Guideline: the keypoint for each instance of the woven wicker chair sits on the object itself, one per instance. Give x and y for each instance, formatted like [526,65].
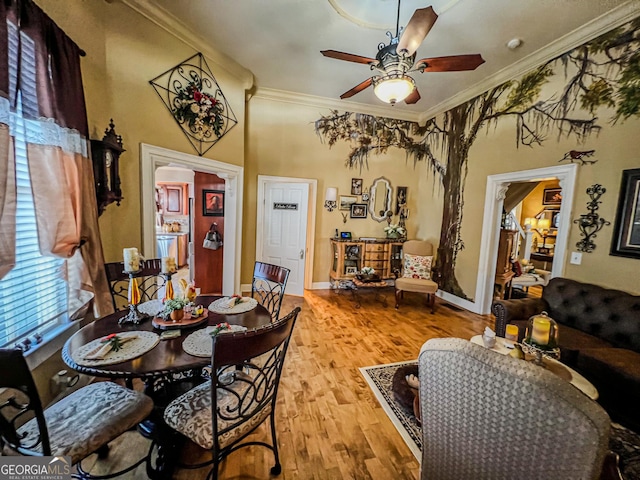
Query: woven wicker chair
[489,416]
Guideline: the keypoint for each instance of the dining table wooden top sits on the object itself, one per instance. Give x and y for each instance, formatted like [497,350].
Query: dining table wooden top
[168,356]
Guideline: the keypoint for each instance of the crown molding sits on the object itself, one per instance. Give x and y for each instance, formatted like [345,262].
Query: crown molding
[169,23]
[614,18]
[334,104]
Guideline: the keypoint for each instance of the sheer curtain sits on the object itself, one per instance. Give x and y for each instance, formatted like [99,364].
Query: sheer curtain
[41,87]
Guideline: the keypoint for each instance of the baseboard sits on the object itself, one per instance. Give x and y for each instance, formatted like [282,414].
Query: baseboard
[320,286]
[245,287]
[459,302]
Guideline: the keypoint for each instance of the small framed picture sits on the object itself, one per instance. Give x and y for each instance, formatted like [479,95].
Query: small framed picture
[350,270]
[401,198]
[359,210]
[213,203]
[356,186]
[552,196]
[346,201]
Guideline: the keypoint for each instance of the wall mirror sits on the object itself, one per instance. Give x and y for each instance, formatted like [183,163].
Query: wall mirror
[380,199]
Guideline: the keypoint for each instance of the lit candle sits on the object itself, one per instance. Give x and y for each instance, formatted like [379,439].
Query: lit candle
[131,259]
[168,264]
[540,331]
[512,333]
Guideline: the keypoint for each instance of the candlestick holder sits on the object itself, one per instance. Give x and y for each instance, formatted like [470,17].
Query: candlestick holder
[539,353]
[168,286]
[134,316]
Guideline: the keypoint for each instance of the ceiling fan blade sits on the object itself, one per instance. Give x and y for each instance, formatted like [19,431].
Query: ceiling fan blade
[415,31]
[453,63]
[413,97]
[348,57]
[357,89]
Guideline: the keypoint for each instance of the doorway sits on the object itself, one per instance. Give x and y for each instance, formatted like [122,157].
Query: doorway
[153,157]
[497,186]
[285,227]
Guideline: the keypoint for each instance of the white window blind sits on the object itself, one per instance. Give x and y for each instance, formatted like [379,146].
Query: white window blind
[33,296]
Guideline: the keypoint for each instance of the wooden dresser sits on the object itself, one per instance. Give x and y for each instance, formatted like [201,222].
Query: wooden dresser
[350,256]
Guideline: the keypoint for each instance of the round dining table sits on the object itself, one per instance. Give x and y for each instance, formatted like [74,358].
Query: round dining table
[167,371]
[168,356]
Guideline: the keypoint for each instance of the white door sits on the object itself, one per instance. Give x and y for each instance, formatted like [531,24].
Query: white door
[285,230]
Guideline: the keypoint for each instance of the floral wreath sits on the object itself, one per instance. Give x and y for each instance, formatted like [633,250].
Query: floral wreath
[200,111]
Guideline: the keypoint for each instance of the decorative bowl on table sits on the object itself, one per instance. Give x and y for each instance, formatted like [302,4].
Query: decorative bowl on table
[367,278]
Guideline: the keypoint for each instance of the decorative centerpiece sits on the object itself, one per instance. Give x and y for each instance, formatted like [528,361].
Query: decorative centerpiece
[367,274]
[541,338]
[174,309]
[395,231]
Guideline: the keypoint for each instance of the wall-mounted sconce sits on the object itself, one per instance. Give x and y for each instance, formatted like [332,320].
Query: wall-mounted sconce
[330,198]
[591,223]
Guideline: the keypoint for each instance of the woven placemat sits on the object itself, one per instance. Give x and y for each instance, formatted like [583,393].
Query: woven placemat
[198,343]
[220,305]
[143,342]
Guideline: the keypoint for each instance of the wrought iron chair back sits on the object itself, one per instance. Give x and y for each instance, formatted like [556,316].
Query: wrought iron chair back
[246,371]
[149,282]
[101,412]
[269,283]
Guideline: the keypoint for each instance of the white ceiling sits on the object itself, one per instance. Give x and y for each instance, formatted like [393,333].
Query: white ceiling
[279,41]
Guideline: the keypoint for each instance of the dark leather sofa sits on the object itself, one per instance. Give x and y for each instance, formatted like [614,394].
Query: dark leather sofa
[599,332]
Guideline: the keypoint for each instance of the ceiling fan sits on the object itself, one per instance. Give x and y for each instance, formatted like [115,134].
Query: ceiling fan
[397,59]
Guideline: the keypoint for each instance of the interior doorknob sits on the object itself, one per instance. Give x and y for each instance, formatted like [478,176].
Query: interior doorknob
[301,254]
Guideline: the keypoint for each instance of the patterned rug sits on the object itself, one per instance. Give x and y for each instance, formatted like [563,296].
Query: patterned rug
[624,442]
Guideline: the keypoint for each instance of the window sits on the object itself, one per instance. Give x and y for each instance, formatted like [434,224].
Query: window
[33,296]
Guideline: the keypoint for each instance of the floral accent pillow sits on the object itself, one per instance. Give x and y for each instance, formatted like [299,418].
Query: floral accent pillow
[417,266]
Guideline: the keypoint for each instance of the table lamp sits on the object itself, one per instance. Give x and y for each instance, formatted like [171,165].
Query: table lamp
[543,226]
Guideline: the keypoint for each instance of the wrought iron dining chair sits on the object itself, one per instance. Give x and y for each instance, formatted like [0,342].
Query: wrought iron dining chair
[486,415]
[149,282]
[269,282]
[242,398]
[80,424]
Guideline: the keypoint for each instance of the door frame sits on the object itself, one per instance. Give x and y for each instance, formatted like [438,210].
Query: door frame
[152,157]
[311,220]
[497,186]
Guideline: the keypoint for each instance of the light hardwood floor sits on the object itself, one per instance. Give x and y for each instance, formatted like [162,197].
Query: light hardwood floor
[329,424]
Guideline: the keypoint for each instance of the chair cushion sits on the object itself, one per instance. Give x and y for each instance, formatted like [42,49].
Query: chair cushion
[417,266]
[190,414]
[416,285]
[89,418]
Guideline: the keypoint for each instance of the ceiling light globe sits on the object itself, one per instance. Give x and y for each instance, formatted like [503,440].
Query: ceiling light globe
[393,88]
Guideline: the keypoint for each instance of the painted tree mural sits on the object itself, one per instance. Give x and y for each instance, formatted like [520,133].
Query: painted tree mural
[602,73]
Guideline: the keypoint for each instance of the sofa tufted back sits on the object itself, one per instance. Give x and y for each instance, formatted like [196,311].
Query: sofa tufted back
[611,315]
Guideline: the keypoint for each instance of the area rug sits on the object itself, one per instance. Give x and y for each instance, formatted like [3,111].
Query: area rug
[624,442]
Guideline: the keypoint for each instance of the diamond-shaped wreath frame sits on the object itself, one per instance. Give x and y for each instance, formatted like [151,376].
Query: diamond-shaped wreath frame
[193,97]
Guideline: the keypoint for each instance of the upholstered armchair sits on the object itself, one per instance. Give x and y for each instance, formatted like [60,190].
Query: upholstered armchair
[486,416]
[416,275]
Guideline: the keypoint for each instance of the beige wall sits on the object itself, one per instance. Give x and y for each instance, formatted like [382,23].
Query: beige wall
[125,51]
[282,142]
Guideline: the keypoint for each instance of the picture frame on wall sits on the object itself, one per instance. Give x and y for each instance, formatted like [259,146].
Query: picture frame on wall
[356,186]
[213,203]
[359,210]
[626,231]
[401,198]
[552,196]
[346,201]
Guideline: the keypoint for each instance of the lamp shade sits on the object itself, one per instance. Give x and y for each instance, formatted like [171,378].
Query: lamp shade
[331,194]
[544,224]
[531,221]
[393,88]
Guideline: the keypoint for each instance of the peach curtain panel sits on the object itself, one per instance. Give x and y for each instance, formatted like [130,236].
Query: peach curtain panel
[41,65]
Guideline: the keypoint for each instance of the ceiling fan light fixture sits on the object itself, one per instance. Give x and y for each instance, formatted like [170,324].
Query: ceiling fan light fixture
[393,87]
